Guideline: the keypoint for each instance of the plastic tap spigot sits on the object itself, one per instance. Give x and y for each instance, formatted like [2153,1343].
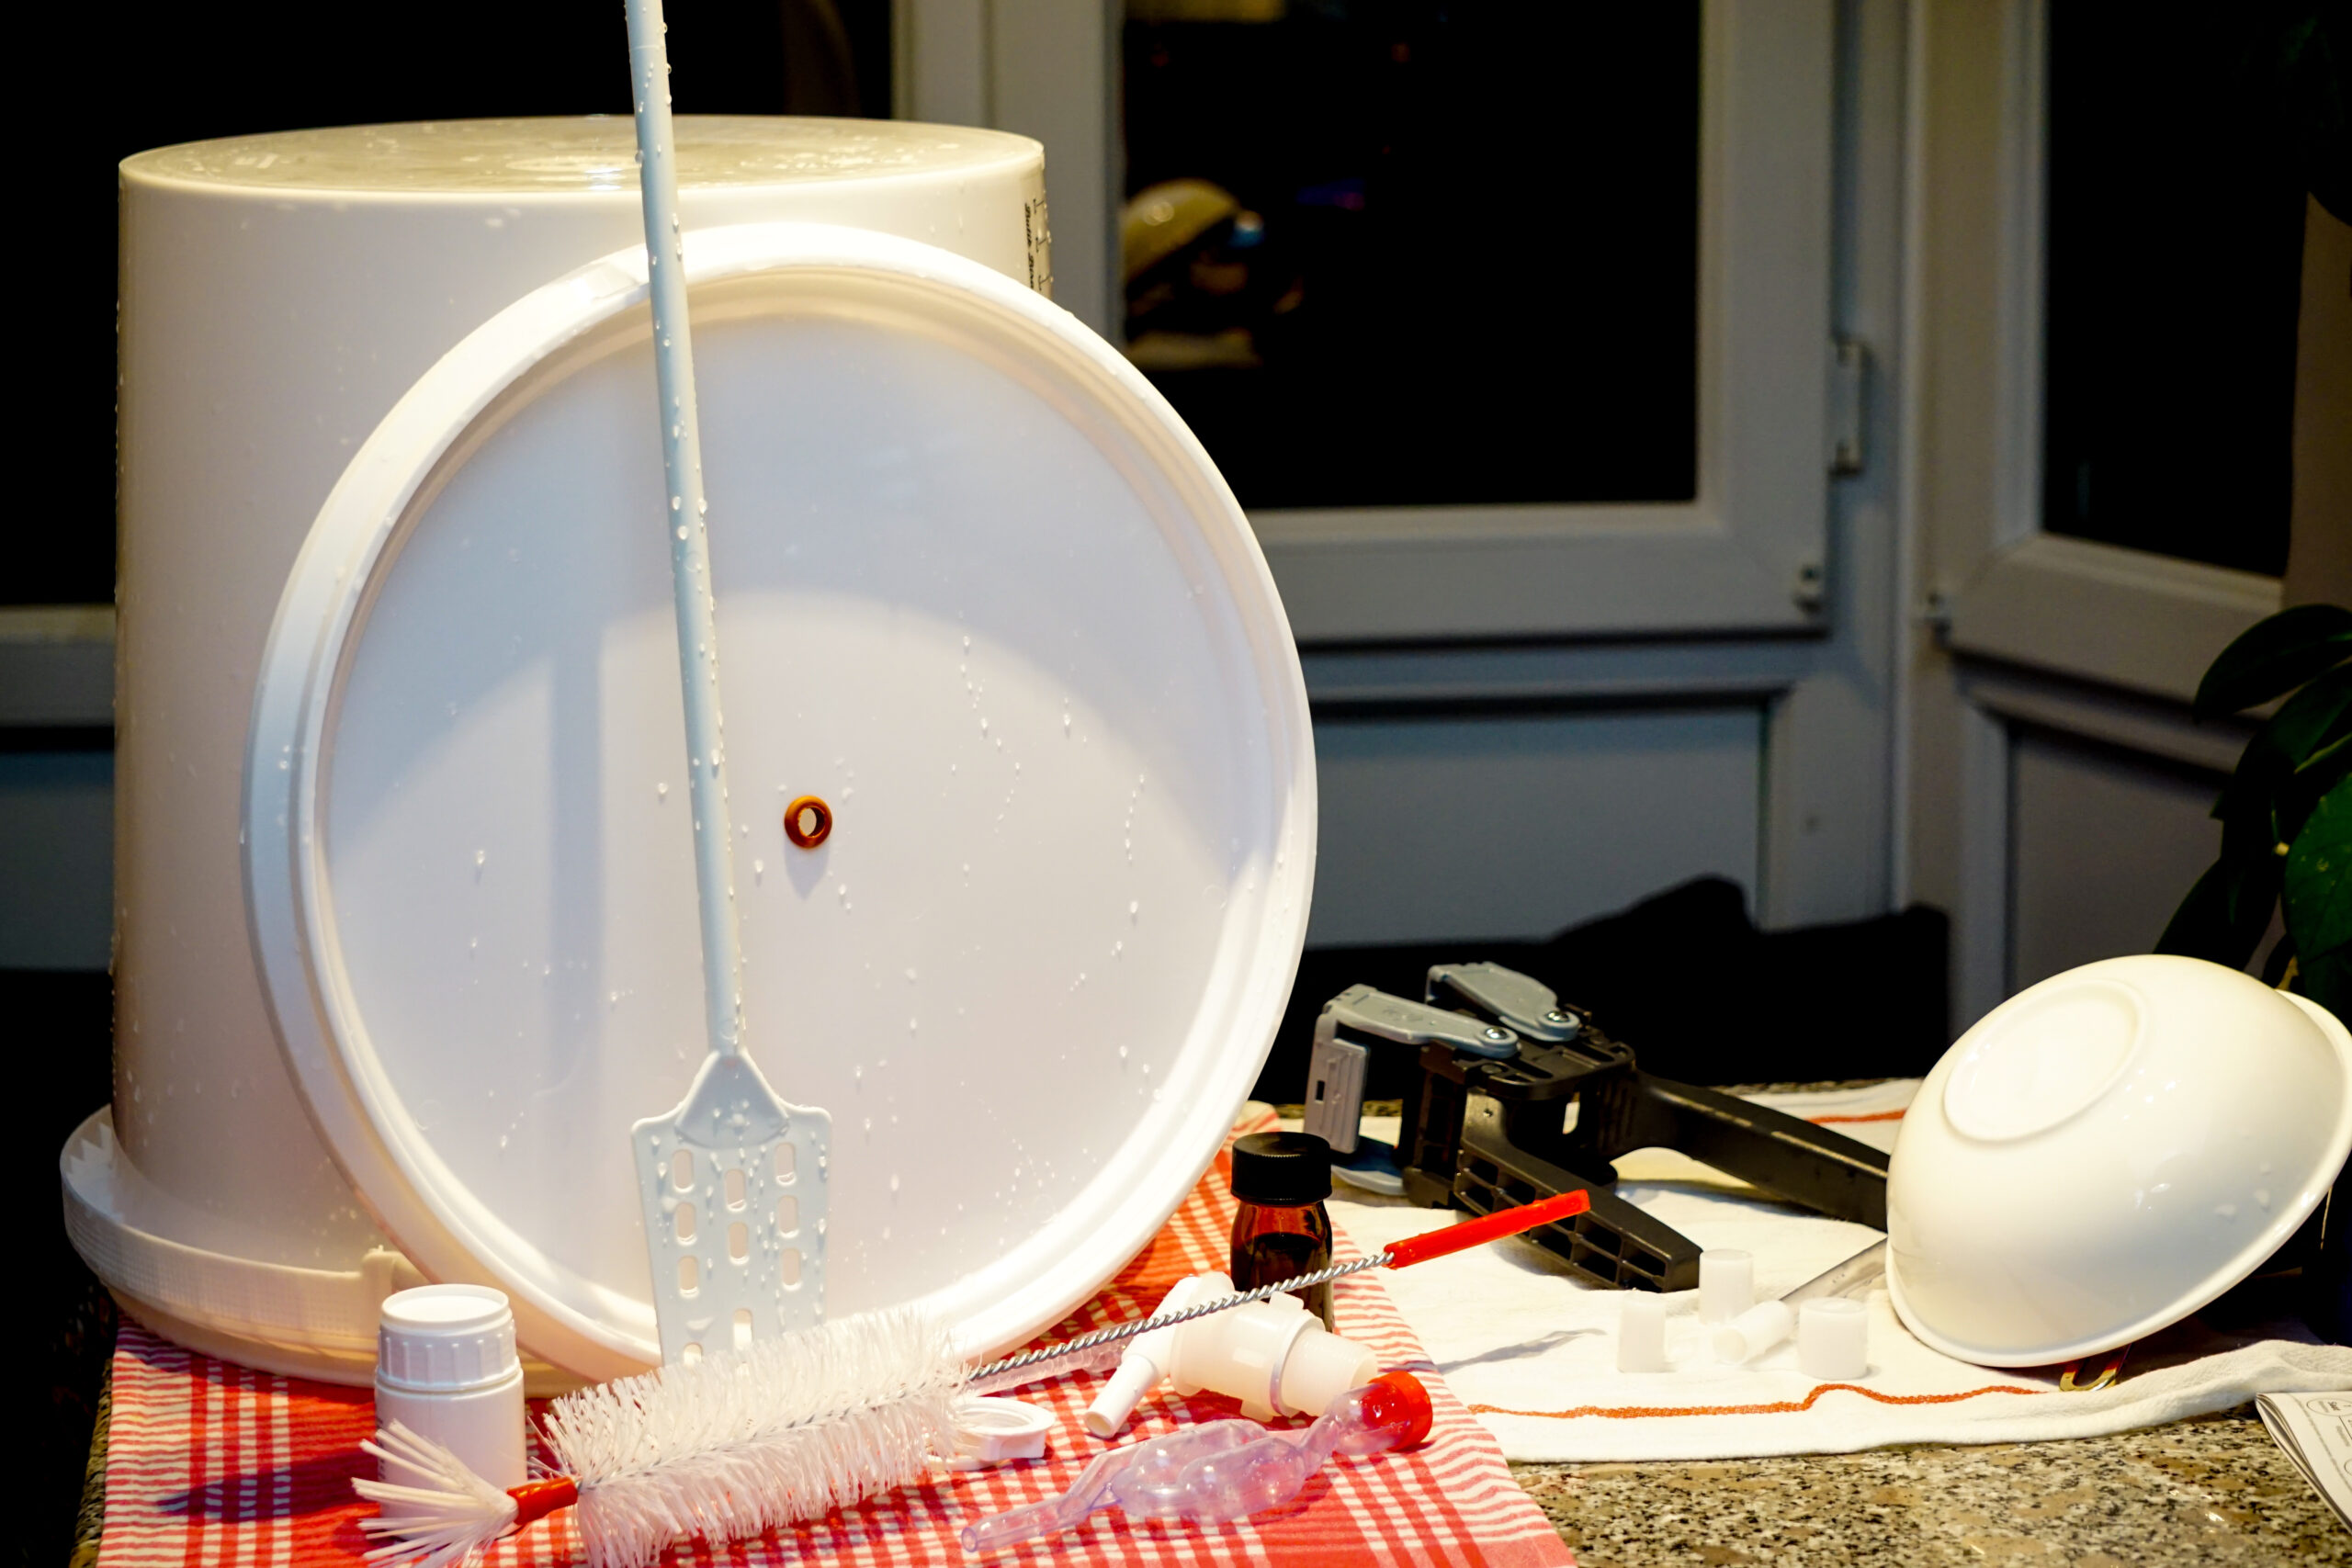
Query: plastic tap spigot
[1149,1357]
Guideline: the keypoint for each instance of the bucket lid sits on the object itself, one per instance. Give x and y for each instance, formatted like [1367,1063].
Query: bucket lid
[980,591]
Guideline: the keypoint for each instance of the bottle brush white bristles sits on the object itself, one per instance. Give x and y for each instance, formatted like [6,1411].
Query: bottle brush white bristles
[787,1428]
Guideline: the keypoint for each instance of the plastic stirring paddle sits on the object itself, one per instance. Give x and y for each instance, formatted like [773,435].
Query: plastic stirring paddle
[1015,1370]
[734,1179]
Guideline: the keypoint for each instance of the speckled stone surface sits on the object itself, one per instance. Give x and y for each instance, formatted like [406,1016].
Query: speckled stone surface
[2212,1492]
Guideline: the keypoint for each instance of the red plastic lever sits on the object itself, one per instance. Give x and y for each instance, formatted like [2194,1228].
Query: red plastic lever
[1490,1228]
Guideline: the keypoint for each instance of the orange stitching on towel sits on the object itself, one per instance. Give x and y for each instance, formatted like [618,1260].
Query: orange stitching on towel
[1873,1116]
[1778,1408]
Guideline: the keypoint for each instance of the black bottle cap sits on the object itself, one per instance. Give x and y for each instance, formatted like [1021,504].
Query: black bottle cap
[1290,1169]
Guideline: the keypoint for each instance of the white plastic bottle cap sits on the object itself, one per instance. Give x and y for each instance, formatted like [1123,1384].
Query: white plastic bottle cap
[1753,1332]
[446,1369]
[1322,1366]
[1641,1333]
[1834,1339]
[1727,1284]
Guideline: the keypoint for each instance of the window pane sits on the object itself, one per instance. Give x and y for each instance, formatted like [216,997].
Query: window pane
[1406,252]
[2175,244]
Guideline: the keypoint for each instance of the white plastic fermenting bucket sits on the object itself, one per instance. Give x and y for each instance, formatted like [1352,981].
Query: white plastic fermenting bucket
[367,371]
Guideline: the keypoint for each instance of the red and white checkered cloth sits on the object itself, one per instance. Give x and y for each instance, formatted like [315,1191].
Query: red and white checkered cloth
[212,1465]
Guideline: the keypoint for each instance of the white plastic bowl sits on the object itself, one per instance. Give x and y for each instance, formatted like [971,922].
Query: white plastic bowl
[2106,1152]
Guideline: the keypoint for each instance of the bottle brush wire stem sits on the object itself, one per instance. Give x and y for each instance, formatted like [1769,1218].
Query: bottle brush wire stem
[1006,1373]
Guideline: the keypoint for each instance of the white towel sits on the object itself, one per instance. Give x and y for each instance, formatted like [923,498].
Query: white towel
[1532,1351]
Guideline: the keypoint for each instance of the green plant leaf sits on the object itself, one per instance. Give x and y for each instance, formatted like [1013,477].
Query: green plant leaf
[2225,914]
[2275,784]
[2273,656]
[2327,980]
[2318,883]
[2319,775]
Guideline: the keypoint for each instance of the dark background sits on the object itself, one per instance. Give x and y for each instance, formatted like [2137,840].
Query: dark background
[2176,238]
[163,74]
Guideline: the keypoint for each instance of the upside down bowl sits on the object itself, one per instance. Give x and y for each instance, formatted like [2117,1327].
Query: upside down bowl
[2106,1153]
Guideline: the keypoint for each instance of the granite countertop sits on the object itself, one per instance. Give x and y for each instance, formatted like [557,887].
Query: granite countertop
[2215,1491]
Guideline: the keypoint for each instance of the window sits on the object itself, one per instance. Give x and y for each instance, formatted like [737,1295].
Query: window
[1407,253]
[2175,257]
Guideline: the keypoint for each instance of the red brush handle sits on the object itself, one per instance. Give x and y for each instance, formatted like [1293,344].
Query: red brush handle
[1491,1228]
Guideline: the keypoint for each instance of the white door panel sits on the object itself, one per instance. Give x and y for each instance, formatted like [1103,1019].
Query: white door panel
[2102,842]
[1513,826]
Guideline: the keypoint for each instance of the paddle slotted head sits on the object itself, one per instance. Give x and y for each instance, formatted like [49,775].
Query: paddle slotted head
[733,1182]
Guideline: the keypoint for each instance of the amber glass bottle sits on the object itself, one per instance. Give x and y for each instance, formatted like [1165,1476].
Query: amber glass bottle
[1280,1229]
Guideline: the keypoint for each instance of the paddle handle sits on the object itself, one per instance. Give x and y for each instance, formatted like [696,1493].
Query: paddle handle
[673,365]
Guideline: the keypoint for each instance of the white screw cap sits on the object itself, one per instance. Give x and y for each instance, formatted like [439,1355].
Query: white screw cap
[445,1339]
[1834,1339]
[991,1431]
[1727,1284]
[1640,1332]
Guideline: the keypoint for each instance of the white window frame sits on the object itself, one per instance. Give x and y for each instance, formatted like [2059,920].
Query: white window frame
[2008,589]
[2015,625]
[1745,556]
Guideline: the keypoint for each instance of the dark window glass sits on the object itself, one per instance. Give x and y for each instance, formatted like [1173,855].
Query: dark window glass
[178,73]
[2176,240]
[1417,252]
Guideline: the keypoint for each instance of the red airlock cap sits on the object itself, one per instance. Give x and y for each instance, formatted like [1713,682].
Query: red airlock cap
[1398,1399]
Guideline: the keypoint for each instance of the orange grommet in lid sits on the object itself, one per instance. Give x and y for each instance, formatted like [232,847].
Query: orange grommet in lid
[807,821]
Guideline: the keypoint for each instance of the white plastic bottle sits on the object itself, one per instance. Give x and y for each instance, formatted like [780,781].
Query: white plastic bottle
[446,1369]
